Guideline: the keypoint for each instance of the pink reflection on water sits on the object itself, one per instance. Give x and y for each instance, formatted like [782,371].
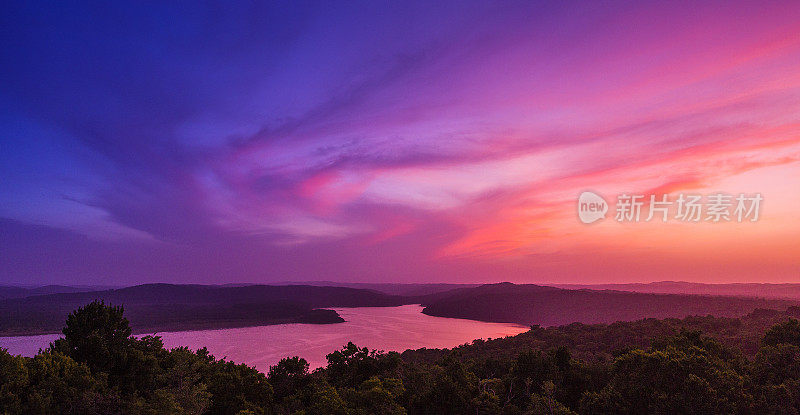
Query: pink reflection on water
[382,328]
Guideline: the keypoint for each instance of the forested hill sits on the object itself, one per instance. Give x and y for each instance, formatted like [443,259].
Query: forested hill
[167,307]
[604,341]
[548,306]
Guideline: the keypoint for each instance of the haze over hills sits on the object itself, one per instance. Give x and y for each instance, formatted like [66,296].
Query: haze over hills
[763,290]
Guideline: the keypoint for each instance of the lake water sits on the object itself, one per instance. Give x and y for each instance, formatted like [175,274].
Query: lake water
[382,328]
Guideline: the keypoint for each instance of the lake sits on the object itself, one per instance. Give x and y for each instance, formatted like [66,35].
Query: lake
[382,328]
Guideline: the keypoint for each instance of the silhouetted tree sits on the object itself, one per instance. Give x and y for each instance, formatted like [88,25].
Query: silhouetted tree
[97,335]
[288,376]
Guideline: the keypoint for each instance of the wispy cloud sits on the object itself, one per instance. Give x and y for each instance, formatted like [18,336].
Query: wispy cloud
[408,141]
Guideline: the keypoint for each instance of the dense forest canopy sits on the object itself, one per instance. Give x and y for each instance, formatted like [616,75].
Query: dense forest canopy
[694,365]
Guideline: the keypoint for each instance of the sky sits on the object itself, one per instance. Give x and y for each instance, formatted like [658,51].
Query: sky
[394,141]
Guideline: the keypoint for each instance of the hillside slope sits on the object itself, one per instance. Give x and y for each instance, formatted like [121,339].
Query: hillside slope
[550,306]
[162,307]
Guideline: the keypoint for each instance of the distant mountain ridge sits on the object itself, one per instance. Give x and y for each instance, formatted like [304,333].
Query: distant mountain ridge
[170,307]
[763,290]
[11,291]
[402,289]
[313,296]
[551,306]
[174,307]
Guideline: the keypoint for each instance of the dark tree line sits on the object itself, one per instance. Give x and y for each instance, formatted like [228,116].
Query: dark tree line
[99,368]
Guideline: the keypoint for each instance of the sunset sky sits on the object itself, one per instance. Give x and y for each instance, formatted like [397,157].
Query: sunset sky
[394,141]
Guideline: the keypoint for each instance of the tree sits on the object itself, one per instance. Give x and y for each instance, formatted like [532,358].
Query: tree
[445,388]
[97,335]
[783,333]
[376,396]
[678,377]
[14,382]
[236,387]
[288,376]
[775,372]
[351,365]
[322,398]
[546,403]
[57,381]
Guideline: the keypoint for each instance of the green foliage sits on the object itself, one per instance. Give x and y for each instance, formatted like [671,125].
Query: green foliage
[97,335]
[289,375]
[775,372]
[546,402]
[236,387]
[675,376]
[375,396]
[99,368]
[445,388]
[57,381]
[352,365]
[13,382]
[784,333]
[320,398]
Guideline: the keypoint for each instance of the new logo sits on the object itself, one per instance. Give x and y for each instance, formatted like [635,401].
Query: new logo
[591,207]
